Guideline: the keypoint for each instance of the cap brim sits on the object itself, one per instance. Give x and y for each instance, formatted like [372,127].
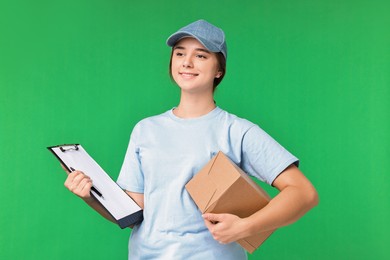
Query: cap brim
[174,38]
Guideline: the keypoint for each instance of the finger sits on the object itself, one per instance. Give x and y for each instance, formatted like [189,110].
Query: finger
[213,218]
[82,185]
[83,188]
[79,183]
[209,225]
[73,180]
[69,181]
[213,230]
[79,176]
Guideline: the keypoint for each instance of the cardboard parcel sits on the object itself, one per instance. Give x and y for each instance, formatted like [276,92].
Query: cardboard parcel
[222,187]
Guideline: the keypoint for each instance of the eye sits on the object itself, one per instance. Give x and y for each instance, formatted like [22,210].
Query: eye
[179,54]
[201,56]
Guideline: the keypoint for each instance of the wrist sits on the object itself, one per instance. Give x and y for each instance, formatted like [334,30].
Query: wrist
[88,200]
[247,227]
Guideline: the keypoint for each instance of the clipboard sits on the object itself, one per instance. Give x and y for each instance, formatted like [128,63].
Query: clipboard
[115,200]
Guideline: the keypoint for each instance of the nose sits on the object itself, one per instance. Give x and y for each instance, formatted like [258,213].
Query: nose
[187,62]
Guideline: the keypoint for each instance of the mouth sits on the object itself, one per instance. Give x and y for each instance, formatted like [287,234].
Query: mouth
[188,74]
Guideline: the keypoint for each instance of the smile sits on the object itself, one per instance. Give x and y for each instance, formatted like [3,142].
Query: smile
[188,75]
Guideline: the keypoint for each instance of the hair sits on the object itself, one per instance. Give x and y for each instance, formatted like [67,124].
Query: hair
[221,67]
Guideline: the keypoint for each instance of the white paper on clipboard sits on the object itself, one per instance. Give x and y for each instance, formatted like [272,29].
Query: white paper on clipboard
[125,211]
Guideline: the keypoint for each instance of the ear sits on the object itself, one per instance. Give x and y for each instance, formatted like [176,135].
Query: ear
[219,74]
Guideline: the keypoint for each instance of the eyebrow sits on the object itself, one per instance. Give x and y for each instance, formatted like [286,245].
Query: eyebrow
[197,49]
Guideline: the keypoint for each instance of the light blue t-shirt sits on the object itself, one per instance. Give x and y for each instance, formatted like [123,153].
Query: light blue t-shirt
[164,153]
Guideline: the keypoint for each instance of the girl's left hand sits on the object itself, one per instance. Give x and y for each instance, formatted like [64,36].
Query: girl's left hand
[225,228]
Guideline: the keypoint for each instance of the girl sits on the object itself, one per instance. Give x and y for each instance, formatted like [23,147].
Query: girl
[167,150]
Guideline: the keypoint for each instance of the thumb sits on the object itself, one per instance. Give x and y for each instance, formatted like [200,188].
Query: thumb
[212,217]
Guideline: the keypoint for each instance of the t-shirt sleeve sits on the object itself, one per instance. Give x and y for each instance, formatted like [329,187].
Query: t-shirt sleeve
[263,157]
[131,177]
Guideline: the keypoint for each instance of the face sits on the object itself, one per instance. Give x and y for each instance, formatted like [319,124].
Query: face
[193,67]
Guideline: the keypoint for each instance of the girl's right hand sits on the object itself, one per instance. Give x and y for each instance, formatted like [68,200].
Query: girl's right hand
[79,184]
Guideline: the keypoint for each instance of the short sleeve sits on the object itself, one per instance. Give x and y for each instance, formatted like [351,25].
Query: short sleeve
[131,177]
[263,157]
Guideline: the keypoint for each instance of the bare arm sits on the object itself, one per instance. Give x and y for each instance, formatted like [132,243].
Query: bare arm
[80,184]
[297,196]
[137,197]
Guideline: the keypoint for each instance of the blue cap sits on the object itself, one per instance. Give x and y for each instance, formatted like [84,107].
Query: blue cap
[210,36]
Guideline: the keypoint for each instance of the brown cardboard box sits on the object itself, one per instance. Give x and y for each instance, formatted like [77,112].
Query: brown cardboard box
[222,187]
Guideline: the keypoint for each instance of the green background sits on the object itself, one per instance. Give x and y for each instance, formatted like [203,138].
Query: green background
[313,74]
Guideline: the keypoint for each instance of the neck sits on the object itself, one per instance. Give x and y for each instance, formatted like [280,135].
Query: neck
[192,107]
